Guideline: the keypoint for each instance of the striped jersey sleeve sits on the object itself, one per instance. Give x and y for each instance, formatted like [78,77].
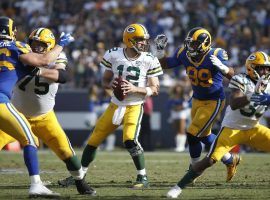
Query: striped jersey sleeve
[155,68]
[23,48]
[237,82]
[106,61]
[62,59]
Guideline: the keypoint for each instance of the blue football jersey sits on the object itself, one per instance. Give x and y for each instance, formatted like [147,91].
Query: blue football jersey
[11,68]
[205,78]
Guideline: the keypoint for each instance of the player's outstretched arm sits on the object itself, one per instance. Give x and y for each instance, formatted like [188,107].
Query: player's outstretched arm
[158,50]
[42,60]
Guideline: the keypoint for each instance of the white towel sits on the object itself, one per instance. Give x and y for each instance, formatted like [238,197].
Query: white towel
[118,115]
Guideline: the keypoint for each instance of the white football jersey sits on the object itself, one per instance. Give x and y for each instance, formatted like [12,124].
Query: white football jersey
[248,116]
[135,71]
[34,95]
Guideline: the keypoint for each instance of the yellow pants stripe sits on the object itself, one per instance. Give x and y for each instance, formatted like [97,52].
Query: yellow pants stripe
[212,118]
[22,123]
[138,127]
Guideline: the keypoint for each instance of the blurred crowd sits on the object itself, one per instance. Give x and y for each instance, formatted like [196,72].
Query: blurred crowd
[238,26]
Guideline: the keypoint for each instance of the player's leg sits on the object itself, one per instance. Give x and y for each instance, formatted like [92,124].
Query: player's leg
[15,124]
[131,129]
[223,144]
[5,139]
[259,138]
[48,129]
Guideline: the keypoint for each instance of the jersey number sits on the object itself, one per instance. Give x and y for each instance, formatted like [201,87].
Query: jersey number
[200,77]
[42,88]
[5,63]
[133,78]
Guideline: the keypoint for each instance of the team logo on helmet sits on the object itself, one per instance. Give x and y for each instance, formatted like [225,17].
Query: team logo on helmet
[131,29]
[252,57]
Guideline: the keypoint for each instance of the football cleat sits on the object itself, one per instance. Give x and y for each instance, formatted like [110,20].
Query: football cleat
[39,190]
[84,188]
[174,192]
[231,168]
[66,182]
[141,182]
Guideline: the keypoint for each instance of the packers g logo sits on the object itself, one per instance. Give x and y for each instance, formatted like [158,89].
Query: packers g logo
[252,57]
[51,36]
[131,29]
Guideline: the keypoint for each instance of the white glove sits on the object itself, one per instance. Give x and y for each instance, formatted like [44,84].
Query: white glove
[160,42]
[262,84]
[221,67]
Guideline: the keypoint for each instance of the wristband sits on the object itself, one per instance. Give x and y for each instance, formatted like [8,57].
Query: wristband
[149,91]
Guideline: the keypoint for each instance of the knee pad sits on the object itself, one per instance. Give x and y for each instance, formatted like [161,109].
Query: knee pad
[133,148]
[192,140]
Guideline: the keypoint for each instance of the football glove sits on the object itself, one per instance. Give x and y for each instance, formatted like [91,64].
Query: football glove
[160,42]
[65,39]
[219,65]
[261,84]
[260,99]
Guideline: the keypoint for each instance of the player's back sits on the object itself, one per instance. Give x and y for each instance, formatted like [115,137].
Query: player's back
[11,69]
[248,116]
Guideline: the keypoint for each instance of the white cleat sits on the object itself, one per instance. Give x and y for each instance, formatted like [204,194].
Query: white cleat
[174,192]
[39,190]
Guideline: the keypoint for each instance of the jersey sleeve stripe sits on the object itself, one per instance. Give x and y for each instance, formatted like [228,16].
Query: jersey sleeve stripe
[154,71]
[216,51]
[106,63]
[237,82]
[61,61]
[237,86]
[180,51]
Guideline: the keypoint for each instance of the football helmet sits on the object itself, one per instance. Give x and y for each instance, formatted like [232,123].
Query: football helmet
[136,36]
[255,61]
[7,28]
[43,35]
[197,42]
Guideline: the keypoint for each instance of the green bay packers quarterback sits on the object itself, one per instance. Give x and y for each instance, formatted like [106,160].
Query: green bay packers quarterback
[249,99]
[139,71]
[34,96]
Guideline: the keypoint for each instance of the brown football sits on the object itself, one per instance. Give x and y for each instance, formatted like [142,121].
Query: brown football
[118,92]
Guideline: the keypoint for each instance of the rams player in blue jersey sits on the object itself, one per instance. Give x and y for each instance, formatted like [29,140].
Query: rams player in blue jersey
[205,67]
[14,56]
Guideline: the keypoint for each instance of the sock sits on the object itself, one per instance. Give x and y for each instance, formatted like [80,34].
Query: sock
[141,172]
[139,161]
[188,178]
[194,145]
[208,140]
[194,160]
[85,169]
[227,159]
[35,179]
[31,159]
[73,163]
[89,154]
[78,174]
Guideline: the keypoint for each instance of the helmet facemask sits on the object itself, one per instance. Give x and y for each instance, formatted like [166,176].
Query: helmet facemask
[38,46]
[140,44]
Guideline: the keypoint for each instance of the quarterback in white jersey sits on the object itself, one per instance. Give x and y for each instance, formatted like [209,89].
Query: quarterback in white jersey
[34,96]
[139,71]
[249,99]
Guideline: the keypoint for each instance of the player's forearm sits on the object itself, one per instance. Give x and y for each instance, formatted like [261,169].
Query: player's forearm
[230,73]
[56,75]
[148,91]
[163,63]
[52,55]
[239,102]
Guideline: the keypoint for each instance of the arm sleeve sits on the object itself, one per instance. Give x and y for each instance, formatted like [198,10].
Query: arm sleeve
[23,48]
[155,68]
[222,56]
[175,61]
[236,82]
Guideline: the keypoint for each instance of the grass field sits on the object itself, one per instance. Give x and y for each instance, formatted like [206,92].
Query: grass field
[113,173]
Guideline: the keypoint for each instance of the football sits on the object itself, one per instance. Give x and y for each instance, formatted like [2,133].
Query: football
[117,90]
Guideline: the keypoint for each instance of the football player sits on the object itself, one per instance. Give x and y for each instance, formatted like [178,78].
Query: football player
[139,71]
[34,96]
[249,99]
[13,57]
[205,67]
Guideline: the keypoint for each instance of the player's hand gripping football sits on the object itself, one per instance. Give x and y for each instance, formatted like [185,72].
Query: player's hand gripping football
[128,87]
[262,83]
[65,39]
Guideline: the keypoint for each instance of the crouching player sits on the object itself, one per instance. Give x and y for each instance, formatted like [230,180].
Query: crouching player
[34,96]
[249,99]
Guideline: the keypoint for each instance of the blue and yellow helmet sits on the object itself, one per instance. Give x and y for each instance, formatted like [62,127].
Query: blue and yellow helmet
[7,28]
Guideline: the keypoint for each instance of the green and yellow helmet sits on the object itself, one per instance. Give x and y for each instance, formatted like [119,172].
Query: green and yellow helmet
[43,35]
[197,42]
[133,34]
[7,28]
[254,61]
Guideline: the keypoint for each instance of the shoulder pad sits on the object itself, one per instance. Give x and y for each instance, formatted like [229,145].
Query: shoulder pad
[238,81]
[221,53]
[180,51]
[23,47]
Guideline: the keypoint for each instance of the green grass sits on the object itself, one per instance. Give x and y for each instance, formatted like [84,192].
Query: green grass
[113,173]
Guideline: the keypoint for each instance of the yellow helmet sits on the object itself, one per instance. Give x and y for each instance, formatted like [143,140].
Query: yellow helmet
[197,42]
[7,28]
[44,35]
[131,35]
[254,61]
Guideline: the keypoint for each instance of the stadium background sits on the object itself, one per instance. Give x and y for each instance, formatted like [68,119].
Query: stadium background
[239,27]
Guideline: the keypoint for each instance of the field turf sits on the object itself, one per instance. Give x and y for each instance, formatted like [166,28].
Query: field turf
[113,173]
